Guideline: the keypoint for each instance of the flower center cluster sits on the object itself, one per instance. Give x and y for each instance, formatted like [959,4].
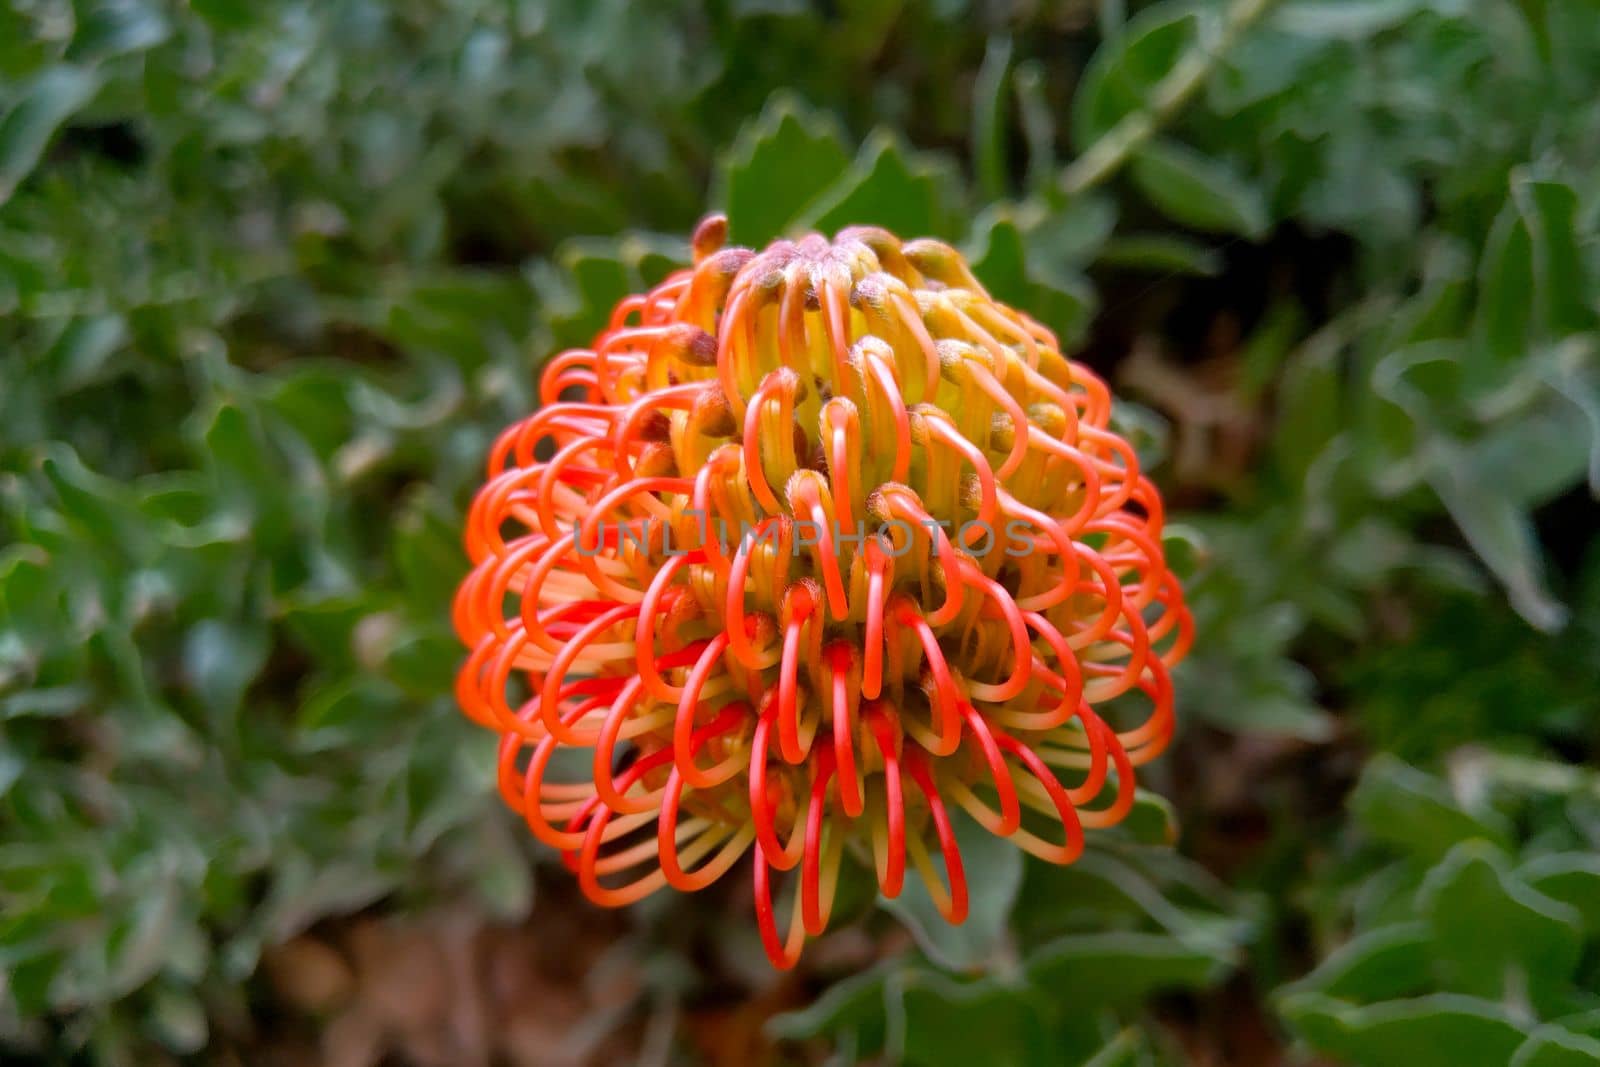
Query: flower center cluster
[814,543]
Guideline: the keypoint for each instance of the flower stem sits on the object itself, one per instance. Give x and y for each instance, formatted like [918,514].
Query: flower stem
[1107,155]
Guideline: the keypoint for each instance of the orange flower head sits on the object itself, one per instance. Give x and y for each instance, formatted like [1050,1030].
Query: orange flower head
[813,544]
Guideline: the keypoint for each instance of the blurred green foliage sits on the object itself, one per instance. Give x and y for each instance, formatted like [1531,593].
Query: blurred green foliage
[272,274]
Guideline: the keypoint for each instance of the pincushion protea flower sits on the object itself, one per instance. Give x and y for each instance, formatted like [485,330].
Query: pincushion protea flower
[812,545]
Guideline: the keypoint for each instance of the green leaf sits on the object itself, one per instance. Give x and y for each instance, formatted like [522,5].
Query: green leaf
[989,149]
[1310,412]
[1267,62]
[1494,936]
[142,936]
[850,1005]
[1550,209]
[1414,387]
[1384,964]
[951,1024]
[919,1016]
[178,1021]
[247,476]
[1119,78]
[1038,124]
[1355,187]
[1505,282]
[108,30]
[1402,806]
[1153,820]
[1583,1023]
[220,660]
[1150,434]
[421,659]
[995,874]
[1438,1030]
[1577,378]
[1256,689]
[1532,284]
[594,274]
[1551,1046]
[54,96]
[1002,260]
[316,400]
[1538,455]
[1500,532]
[1110,891]
[428,553]
[103,509]
[1199,191]
[1269,345]
[1121,1051]
[1573,878]
[344,711]
[1121,968]
[85,349]
[597,280]
[888,186]
[1344,19]
[780,162]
